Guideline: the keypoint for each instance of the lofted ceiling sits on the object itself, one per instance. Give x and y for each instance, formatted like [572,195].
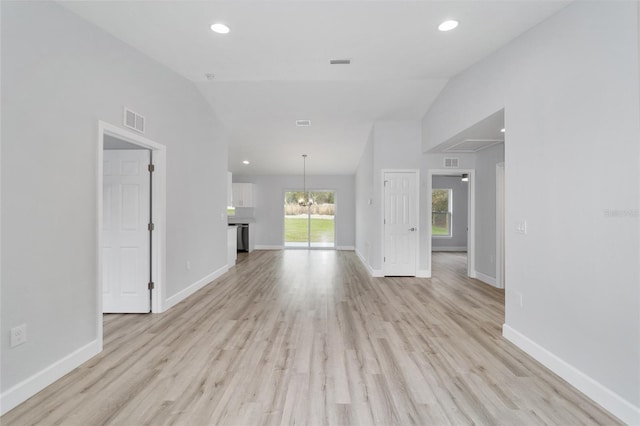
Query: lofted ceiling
[273,67]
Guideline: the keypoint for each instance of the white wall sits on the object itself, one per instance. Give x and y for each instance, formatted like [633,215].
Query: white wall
[60,75]
[486,161]
[570,92]
[460,210]
[269,210]
[365,199]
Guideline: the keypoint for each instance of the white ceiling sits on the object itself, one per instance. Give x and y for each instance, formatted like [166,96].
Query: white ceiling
[273,67]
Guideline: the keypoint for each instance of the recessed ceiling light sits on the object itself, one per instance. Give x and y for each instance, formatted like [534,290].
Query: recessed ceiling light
[220,28]
[448,25]
[502,130]
[245,162]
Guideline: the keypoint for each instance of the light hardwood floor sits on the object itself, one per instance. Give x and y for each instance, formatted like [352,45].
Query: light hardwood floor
[307,337]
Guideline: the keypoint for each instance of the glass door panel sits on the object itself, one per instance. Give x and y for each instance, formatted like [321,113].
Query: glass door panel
[309,223]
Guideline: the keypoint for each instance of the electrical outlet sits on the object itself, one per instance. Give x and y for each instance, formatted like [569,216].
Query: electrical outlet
[188,265]
[520,299]
[18,335]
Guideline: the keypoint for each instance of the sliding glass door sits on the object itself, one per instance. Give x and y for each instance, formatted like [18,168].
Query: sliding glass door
[309,219]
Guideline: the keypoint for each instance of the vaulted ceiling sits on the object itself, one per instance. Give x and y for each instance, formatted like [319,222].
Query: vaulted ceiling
[273,67]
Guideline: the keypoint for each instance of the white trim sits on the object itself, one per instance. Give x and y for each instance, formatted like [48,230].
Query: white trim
[202,282]
[24,390]
[384,203]
[376,273]
[159,213]
[500,221]
[423,273]
[485,278]
[346,248]
[462,248]
[269,247]
[364,262]
[611,401]
[471,225]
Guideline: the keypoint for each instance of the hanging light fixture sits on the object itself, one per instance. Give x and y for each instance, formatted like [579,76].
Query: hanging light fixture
[465,177]
[305,201]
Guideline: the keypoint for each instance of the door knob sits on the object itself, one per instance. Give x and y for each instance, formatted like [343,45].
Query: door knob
[412,229]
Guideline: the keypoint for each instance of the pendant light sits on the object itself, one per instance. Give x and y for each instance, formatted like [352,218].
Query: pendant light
[304,202]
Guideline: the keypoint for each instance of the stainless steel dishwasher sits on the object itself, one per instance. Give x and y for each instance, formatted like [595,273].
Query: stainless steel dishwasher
[243,237]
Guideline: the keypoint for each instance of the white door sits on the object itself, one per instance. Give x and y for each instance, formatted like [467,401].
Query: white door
[400,223]
[125,234]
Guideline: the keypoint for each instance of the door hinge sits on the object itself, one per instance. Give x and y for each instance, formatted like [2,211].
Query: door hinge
[151,227]
[384,259]
[151,168]
[151,285]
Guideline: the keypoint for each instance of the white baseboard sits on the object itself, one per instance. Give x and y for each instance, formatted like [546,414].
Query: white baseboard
[346,248]
[433,248]
[183,294]
[24,390]
[611,401]
[423,273]
[372,272]
[486,278]
[267,247]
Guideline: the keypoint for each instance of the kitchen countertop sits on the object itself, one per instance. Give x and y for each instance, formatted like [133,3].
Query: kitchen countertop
[235,220]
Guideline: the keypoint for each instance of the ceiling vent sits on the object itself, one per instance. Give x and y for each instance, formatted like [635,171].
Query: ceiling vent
[303,123]
[451,163]
[340,61]
[133,120]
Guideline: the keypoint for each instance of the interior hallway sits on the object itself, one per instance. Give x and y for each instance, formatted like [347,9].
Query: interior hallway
[308,337]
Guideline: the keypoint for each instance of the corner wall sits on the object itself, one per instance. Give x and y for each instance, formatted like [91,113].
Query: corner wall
[570,91]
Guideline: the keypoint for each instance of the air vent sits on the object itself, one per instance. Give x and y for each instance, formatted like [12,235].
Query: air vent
[340,61]
[133,120]
[303,123]
[451,163]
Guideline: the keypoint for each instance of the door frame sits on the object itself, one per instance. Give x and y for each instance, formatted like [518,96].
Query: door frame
[159,179]
[471,218]
[500,225]
[383,212]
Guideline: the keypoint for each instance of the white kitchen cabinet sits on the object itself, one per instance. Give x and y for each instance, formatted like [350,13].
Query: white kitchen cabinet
[243,195]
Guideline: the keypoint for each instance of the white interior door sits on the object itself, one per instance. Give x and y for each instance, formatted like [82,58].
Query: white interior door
[125,234]
[400,223]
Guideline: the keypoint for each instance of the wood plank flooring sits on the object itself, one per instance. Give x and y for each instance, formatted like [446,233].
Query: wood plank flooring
[307,337]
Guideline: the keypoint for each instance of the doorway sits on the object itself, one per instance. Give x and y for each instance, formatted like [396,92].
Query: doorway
[309,219]
[442,221]
[157,245]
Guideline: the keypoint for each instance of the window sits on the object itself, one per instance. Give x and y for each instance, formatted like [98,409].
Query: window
[441,211]
[309,219]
